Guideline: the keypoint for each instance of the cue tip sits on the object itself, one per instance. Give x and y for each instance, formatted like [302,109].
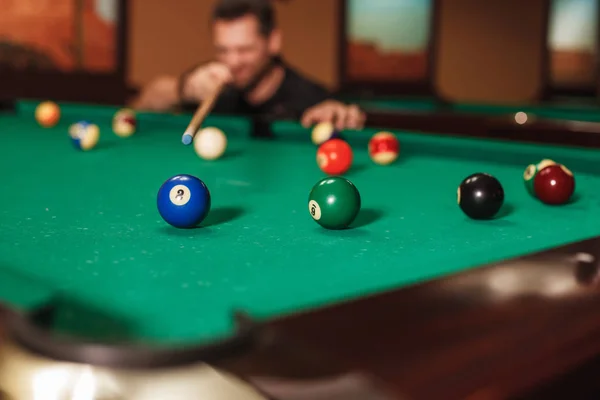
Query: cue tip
[186,139]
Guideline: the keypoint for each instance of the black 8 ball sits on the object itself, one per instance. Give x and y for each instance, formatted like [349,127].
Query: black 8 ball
[480,196]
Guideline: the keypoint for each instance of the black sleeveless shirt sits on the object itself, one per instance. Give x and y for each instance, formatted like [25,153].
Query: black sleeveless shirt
[295,94]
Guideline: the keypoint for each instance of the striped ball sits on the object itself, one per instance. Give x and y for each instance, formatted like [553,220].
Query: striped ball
[84,135]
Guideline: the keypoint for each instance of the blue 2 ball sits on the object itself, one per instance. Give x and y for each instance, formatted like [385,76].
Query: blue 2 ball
[183,201]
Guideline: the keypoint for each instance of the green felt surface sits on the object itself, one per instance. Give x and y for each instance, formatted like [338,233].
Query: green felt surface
[83,228]
[570,110]
[560,112]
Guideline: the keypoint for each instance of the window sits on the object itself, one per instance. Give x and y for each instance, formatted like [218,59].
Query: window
[387,40]
[573,43]
[59,36]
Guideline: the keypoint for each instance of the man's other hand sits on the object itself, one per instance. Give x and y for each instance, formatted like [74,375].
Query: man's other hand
[343,116]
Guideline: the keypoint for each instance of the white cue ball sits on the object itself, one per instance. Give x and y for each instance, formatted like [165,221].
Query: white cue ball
[210,143]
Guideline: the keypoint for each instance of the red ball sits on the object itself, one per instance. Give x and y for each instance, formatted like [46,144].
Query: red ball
[384,148]
[554,184]
[334,157]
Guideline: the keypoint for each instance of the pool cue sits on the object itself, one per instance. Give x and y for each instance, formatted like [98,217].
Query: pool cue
[199,116]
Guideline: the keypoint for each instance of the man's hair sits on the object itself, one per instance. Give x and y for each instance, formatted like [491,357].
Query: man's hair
[230,10]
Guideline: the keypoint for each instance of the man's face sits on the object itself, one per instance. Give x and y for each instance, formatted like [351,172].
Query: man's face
[242,48]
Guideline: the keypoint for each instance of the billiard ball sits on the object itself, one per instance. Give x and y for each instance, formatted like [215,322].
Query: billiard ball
[334,157]
[480,196]
[183,201]
[522,118]
[323,132]
[210,143]
[47,114]
[334,202]
[384,148]
[84,135]
[554,184]
[124,122]
[531,171]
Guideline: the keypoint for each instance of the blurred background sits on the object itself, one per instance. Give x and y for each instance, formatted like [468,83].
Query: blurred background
[497,51]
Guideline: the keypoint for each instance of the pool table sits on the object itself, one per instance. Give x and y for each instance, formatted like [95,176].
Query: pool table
[563,108]
[91,274]
[574,121]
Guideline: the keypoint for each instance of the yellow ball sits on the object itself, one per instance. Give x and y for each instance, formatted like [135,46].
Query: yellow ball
[47,114]
[322,132]
[210,143]
[124,123]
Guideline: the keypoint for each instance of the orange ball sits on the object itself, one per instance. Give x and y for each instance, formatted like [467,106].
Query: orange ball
[334,157]
[384,148]
[47,114]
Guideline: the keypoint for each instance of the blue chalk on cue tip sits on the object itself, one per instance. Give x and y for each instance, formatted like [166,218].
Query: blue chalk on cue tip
[187,139]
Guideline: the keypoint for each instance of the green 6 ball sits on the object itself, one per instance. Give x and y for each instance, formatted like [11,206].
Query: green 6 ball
[334,202]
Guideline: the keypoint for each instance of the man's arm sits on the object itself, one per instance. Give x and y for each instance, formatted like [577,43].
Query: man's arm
[304,92]
[317,104]
[167,93]
[313,103]
[186,91]
[160,94]
[343,116]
